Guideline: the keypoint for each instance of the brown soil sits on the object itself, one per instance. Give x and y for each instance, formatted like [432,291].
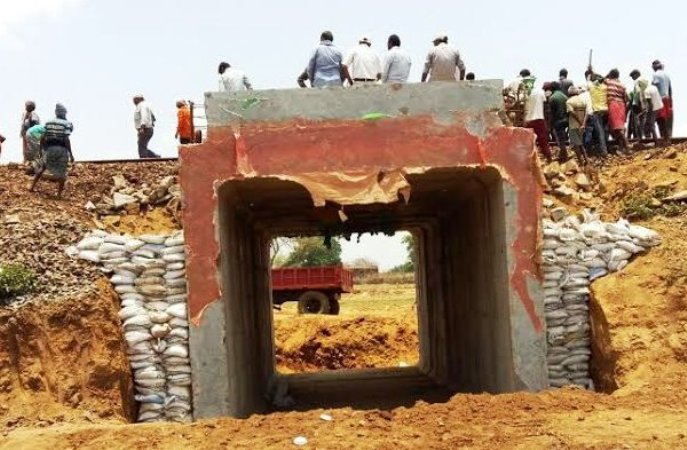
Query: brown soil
[64,360]
[154,221]
[312,344]
[640,324]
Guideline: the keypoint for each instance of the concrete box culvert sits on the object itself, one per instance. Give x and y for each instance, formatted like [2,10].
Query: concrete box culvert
[304,162]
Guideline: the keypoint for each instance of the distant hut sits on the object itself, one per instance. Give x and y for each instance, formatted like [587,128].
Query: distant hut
[362,268]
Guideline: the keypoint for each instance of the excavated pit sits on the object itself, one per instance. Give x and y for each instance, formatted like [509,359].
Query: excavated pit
[457,216]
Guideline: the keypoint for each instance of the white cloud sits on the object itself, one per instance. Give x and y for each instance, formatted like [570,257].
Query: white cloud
[15,13]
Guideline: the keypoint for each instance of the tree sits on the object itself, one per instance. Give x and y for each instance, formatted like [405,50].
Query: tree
[280,247]
[312,251]
[411,261]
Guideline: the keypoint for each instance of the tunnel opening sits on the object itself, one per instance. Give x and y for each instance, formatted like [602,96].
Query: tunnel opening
[344,302]
[458,217]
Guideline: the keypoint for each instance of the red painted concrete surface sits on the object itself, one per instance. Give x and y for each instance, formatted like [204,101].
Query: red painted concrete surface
[300,146]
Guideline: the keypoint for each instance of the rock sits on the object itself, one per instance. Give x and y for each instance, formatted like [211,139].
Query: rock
[119,182]
[582,181]
[552,170]
[12,219]
[89,206]
[558,214]
[563,191]
[548,203]
[570,167]
[132,208]
[121,200]
[655,202]
[677,197]
[167,181]
[671,153]
[300,441]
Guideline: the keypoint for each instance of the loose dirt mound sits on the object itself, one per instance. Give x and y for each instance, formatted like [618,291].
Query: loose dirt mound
[322,343]
[64,360]
[377,328]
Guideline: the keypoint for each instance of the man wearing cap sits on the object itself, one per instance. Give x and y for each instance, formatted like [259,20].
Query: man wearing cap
[144,120]
[2,139]
[363,63]
[662,81]
[442,61]
[56,148]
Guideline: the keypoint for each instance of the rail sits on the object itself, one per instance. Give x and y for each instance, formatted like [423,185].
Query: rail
[677,140]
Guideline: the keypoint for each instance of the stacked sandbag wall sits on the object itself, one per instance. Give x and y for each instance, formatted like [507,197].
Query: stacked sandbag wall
[576,251]
[148,273]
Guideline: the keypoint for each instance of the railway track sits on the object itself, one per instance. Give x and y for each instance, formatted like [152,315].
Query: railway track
[677,140]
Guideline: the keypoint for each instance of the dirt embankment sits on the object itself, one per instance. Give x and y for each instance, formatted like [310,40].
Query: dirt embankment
[64,360]
[640,313]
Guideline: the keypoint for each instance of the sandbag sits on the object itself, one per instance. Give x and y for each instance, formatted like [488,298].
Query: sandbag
[90,243]
[131,245]
[178,310]
[160,331]
[90,255]
[177,350]
[152,239]
[174,241]
[130,312]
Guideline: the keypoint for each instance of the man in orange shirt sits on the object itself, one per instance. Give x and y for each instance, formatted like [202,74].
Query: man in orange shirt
[184,123]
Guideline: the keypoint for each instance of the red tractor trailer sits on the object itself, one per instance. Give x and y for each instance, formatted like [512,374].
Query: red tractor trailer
[316,289]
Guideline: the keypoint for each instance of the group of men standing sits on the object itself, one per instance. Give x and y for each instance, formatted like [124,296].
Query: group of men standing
[586,116]
[328,67]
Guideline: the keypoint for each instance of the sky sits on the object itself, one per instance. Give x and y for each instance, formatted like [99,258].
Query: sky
[94,55]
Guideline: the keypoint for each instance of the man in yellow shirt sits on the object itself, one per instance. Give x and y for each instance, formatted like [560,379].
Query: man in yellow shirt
[598,91]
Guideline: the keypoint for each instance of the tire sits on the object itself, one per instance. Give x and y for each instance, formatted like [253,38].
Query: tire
[313,302]
[334,306]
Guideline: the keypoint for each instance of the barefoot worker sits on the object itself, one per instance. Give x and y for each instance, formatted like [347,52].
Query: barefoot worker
[57,149]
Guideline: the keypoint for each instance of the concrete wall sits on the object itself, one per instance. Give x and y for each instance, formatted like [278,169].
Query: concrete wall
[481,321]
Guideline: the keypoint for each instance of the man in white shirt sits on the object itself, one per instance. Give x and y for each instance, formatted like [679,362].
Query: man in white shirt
[397,62]
[654,105]
[534,119]
[363,63]
[442,61]
[662,82]
[144,121]
[232,80]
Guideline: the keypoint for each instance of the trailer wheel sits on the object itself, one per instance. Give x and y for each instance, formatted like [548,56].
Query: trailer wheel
[313,302]
[334,306]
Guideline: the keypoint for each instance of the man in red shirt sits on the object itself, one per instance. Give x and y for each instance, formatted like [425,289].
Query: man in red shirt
[184,123]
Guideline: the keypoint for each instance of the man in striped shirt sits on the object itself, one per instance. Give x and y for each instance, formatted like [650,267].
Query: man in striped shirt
[617,112]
